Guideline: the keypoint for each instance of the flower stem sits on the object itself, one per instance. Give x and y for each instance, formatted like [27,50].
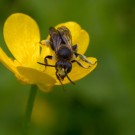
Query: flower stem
[29,109]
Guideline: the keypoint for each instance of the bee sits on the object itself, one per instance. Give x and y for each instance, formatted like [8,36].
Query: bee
[65,53]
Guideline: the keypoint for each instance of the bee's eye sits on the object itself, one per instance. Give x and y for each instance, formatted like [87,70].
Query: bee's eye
[69,67]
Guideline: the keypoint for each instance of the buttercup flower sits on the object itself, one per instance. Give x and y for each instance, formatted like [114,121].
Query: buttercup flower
[22,37]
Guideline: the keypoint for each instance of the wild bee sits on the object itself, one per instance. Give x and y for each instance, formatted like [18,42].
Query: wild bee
[65,53]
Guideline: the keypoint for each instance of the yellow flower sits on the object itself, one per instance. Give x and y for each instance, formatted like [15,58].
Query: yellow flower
[22,37]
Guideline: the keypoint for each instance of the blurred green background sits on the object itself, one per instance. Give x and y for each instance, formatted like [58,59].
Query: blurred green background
[103,103]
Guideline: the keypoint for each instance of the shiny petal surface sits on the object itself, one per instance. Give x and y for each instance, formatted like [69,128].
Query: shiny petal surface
[21,34]
[42,80]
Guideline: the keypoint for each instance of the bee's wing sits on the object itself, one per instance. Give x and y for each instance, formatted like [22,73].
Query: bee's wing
[65,36]
[55,39]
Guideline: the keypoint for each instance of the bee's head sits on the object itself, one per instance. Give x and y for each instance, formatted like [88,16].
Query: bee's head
[63,67]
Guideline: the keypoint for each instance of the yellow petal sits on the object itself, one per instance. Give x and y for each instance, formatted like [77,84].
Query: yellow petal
[11,65]
[82,41]
[8,62]
[42,80]
[76,73]
[79,36]
[21,34]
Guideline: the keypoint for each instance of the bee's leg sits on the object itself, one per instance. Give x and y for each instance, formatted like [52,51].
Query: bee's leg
[45,42]
[46,64]
[75,47]
[58,77]
[83,57]
[45,60]
[47,57]
[79,63]
[69,78]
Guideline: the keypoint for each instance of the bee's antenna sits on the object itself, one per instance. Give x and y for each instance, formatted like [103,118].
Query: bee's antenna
[46,64]
[69,78]
[60,80]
